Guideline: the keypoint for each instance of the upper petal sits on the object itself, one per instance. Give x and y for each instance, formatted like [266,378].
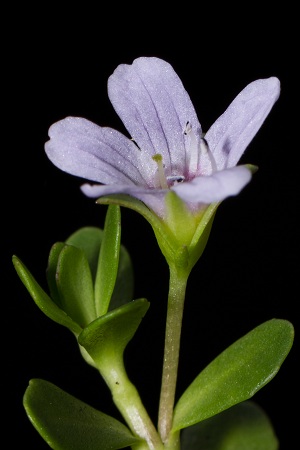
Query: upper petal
[214,188]
[82,148]
[154,106]
[229,136]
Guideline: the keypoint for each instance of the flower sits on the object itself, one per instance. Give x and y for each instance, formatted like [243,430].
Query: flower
[168,170]
[167,149]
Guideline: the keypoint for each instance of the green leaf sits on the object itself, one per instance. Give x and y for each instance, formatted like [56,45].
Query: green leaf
[52,271]
[236,374]
[75,285]
[106,338]
[108,260]
[67,423]
[242,427]
[124,287]
[42,300]
[89,240]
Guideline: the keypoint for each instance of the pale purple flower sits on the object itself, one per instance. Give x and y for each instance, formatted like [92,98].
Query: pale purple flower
[166,148]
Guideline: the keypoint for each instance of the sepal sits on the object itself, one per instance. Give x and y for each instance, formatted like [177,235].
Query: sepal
[181,235]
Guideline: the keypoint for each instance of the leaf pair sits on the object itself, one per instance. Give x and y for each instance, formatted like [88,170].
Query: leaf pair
[90,280]
[66,422]
[212,412]
[87,275]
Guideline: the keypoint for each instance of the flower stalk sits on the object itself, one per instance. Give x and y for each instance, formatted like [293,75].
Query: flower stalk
[176,297]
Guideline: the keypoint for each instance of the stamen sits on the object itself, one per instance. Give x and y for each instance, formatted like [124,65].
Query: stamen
[193,156]
[160,168]
[204,148]
[135,143]
[188,128]
[174,179]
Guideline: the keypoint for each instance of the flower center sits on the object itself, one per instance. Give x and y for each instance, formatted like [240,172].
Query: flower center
[194,151]
[165,182]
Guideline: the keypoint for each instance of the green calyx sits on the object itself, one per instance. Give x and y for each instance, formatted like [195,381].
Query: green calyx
[189,230]
[181,235]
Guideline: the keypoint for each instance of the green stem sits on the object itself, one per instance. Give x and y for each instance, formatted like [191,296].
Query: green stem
[128,401]
[177,288]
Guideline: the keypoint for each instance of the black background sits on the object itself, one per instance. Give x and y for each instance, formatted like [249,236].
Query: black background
[57,64]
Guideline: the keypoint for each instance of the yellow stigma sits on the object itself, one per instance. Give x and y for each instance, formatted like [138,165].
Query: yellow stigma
[160,168]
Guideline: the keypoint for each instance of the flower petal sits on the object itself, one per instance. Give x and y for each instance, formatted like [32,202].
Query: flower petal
[82,148]
[229,136]
[214,188]
[154,106]
[153,198]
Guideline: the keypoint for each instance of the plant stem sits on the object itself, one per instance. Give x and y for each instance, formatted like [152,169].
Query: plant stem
[176,297]
[128,401]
